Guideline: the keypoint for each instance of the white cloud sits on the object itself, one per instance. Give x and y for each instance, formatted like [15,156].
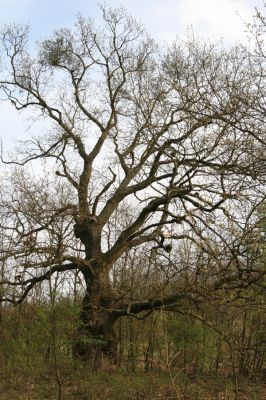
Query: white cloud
[210,19]
[216,19]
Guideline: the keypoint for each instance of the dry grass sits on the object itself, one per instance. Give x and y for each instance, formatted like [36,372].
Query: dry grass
[123,385]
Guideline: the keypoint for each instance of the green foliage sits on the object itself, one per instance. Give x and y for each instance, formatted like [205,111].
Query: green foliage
[95,341]
[28,332]
[195,342]
[37,341]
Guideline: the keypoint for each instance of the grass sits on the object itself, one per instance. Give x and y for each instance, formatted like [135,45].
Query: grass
[82,384]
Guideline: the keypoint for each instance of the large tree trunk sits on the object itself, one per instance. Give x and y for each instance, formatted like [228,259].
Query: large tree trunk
[96,338]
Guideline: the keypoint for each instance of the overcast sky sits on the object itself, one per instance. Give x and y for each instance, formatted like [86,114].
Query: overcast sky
[164,20]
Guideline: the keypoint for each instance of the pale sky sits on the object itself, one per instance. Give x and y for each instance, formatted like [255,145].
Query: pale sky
[165,20]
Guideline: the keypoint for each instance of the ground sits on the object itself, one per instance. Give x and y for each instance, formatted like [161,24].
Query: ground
[82,384]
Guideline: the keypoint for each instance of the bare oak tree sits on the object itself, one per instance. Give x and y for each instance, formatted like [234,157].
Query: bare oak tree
[172,136]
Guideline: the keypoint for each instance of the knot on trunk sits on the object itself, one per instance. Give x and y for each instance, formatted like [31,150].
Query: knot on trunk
[86,226]
[89,232]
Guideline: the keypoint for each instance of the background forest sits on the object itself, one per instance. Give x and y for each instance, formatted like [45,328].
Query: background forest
[212,350]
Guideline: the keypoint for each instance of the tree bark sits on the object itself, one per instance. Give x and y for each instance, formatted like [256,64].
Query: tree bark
[95,338]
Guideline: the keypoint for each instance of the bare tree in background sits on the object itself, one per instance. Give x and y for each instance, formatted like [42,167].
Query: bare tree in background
[172,137]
